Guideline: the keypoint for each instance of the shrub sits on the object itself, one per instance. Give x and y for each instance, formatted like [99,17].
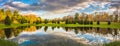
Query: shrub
[98,22]
[91,22]
[109,22]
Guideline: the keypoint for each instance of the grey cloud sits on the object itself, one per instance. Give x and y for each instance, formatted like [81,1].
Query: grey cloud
[115,3]
[53,5]
[50,5]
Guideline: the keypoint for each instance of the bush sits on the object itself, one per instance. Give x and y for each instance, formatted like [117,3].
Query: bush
[109,22]
[38,22]
[66,22]
[86,22]
[58,22]
[91,22]
[80,22]
[98,22]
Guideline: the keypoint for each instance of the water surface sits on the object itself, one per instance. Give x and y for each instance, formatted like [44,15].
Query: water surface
[60,36]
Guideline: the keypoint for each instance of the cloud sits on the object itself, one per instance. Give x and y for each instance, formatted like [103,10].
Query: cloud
[20,4]
[115,3]
[57,7]
[8,7]
[47,5]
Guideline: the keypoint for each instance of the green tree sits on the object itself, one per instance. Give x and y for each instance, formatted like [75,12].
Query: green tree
[76,17]
[7,20]
[46,21]
[23,21]
[16,13]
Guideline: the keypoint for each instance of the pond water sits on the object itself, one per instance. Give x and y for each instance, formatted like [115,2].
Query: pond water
[60,36]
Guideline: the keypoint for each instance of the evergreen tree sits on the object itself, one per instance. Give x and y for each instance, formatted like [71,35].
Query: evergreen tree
[98,22]
[109,22]
[7,20]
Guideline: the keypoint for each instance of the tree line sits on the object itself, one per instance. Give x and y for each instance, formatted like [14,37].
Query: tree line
[9,17]
[86,18]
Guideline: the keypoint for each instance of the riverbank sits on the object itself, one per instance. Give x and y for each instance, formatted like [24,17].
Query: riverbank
[7,43]
[78,25]
[102,25]
[115,43]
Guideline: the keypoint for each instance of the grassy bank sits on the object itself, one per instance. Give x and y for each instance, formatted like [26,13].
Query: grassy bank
[12,25]
[7,43]
[116,43]
[102,25]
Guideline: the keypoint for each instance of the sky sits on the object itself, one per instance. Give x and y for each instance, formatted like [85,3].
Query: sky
[49,9]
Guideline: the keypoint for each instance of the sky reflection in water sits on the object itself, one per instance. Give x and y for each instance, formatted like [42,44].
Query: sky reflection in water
[49,33]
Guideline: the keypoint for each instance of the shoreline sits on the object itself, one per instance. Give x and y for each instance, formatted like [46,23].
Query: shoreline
[113,25]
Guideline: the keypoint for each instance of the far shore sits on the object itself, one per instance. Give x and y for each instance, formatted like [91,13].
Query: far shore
[102,25]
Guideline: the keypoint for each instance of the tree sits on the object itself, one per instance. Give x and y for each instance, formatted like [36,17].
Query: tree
[46,21]
[2,15]
[7,20]
[66,21]
[16,13]
[38,22]
[76,17]
[22,21]
[9,13]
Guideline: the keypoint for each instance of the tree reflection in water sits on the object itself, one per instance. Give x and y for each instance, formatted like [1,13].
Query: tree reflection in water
[8,32]
[45,29]
[82,31]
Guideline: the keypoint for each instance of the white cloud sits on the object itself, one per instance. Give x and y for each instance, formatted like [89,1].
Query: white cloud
[20,4]
[8,7]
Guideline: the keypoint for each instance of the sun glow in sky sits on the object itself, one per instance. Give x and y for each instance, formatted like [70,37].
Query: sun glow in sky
[58,8]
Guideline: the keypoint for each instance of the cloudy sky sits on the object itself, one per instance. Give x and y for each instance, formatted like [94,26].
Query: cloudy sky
[59,8]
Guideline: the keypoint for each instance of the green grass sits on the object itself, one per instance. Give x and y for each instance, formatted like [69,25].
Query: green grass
[116,43]
[12,25]
[7,43]
[102,25]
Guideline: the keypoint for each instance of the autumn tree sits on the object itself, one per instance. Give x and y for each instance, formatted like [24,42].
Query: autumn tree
[2,15]
[38,20]
[23,20]
[9,13]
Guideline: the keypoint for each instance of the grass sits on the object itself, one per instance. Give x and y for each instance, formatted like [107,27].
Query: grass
[102,25]
[116,43]
[7,43]
[13,25]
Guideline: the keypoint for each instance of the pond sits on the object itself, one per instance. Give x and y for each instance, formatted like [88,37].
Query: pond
[60,36]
